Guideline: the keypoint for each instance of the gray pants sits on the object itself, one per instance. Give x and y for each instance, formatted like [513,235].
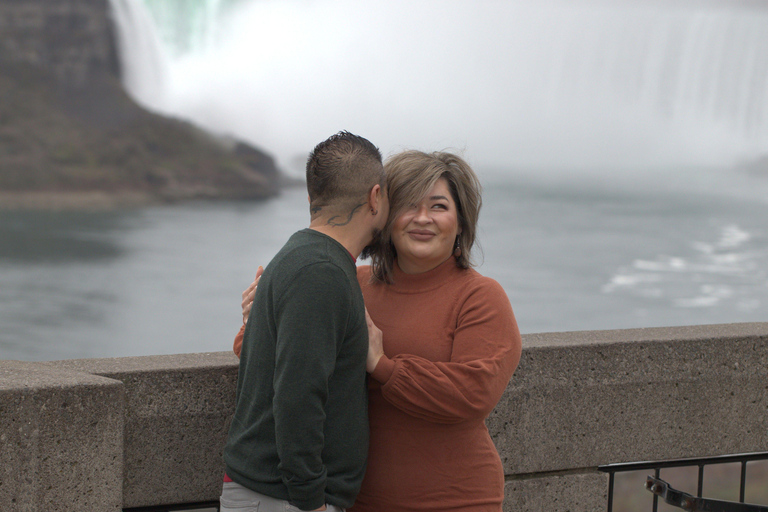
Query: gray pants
[236,498]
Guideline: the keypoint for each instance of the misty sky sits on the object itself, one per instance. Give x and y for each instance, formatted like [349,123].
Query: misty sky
[511,84]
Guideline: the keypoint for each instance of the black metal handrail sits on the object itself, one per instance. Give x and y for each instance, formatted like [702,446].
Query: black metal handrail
[700,462]
[690,503]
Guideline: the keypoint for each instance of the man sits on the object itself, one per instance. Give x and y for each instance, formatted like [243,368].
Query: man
[299,435]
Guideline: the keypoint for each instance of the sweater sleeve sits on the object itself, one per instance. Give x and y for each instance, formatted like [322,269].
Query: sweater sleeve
[486,350]
[310,334]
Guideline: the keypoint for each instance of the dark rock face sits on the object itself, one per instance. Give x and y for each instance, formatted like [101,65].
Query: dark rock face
[72,39]
[67,126]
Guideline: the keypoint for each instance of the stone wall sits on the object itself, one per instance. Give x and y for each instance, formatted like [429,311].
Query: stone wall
[73,39]
[176,413]
[61,439]
[99,434]
[582,399]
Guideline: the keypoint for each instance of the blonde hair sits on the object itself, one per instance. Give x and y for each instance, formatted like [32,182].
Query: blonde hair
[410,176]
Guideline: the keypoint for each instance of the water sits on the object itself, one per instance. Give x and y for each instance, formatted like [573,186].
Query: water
[610,137]
[152,281]
[571,256]
[602,258]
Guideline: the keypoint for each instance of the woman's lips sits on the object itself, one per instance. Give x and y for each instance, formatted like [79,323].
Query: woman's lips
[421,235]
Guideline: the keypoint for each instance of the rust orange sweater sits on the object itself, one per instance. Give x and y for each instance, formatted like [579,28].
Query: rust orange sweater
[451,344]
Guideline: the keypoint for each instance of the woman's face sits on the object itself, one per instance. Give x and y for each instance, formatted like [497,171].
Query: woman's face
[425,233]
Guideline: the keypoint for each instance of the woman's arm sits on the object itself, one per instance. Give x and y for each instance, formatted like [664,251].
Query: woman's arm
[247,296]
[486,350]
[237,347]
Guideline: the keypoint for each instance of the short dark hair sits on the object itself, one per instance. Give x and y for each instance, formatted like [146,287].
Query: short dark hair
[342,169]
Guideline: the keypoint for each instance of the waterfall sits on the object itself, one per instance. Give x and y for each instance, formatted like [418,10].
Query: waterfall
[143,60]
[187,25]
[705,66]
[541,85]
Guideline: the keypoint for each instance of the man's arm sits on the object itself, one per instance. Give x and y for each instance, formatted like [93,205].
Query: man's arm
[311,320]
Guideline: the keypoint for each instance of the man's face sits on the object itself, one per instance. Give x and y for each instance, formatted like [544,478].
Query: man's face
[381,222]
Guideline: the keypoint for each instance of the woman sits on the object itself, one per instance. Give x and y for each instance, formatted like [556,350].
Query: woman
[443,345]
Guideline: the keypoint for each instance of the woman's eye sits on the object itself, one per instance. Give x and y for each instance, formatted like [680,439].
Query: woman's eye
[440,206]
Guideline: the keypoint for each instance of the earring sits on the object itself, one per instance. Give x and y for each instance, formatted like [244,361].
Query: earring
[457,248]
[374,212]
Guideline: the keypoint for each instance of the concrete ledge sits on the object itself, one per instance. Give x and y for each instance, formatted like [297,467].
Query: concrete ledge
[61,440]
[579,492]
[177,414]
[588,398]
[578,400]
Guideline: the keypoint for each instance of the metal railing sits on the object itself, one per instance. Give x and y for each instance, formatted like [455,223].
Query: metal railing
[701,463]
[691,503]
[612,470]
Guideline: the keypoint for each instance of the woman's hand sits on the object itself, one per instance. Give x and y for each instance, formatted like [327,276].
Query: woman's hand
[375,344]
[249,293]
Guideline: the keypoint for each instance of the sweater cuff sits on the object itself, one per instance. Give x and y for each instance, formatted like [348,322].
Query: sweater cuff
[384,370]
[307,495]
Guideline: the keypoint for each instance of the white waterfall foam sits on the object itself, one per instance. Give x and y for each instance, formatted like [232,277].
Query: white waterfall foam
[187,25]
[144,64]
[543,84]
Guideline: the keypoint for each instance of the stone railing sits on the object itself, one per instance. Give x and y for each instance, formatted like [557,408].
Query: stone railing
[106,434]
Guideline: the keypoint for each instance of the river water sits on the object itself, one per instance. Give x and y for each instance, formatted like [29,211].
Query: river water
[679,247]
[618,105]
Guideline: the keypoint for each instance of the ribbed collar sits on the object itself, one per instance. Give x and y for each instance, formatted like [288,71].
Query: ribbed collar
[426,281]
[311,231]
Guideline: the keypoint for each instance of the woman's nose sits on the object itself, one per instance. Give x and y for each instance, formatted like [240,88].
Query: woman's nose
[422,214]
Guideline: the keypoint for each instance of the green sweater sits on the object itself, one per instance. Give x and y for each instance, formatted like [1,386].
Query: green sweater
[300,429]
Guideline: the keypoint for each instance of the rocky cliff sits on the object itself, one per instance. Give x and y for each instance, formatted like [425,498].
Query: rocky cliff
[69,133]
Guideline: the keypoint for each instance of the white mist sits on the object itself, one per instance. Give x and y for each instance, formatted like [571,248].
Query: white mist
[566,87]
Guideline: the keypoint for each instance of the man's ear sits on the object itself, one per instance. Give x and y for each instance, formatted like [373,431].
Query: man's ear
[374,196]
